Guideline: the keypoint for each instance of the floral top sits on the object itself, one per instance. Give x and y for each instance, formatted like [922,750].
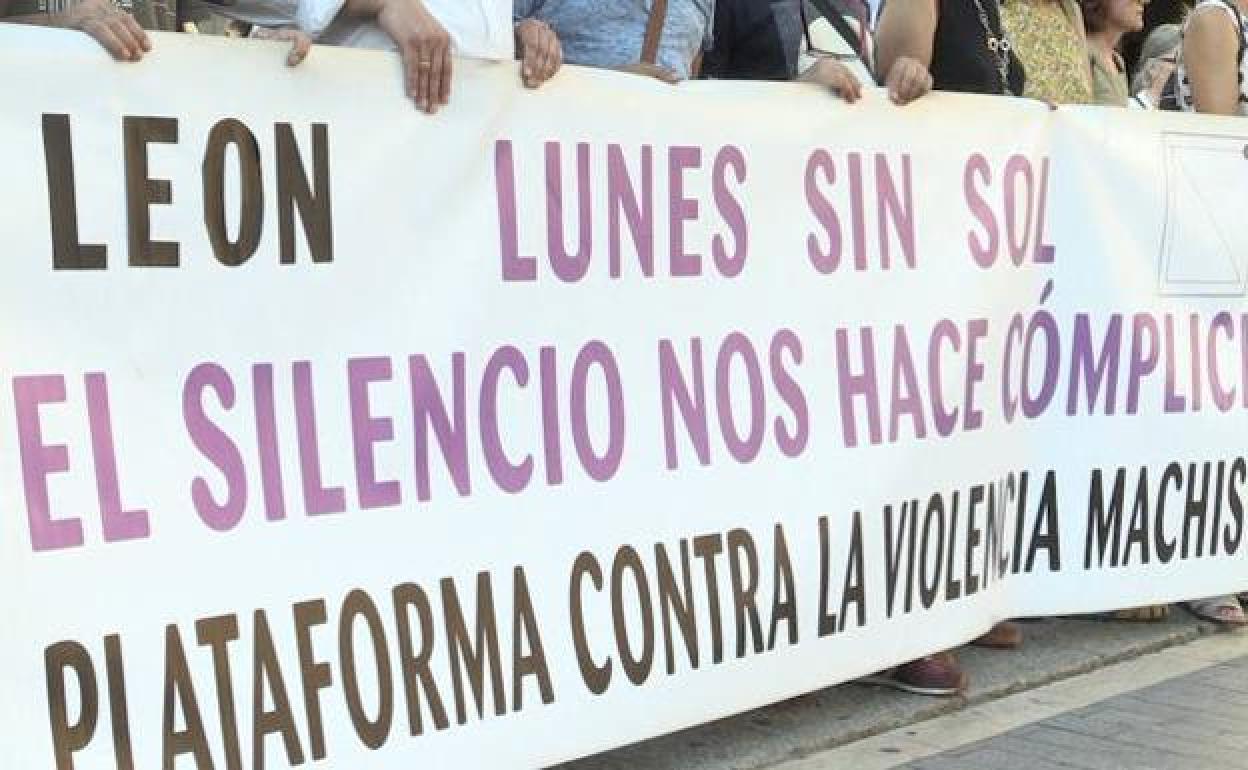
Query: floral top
[1049,38]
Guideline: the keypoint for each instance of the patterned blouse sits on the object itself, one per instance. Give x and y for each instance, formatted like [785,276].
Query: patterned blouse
[1048,36]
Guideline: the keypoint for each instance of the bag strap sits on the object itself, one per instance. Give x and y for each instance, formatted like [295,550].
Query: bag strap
[654,32]
[843,27]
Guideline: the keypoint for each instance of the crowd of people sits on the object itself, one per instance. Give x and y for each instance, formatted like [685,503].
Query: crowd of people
[1058,51]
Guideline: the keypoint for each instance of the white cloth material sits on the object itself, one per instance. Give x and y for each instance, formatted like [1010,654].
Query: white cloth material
[1185,86]
[825,37]
[479,29]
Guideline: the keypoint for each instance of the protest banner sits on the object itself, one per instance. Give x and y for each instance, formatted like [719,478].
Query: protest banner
[332,432]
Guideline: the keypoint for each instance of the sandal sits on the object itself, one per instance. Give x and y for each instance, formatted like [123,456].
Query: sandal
[1222,610]
[1154,613]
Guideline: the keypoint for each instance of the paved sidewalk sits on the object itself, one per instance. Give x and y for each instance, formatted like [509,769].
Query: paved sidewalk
[814,725]
[1185,707]
[1194,721]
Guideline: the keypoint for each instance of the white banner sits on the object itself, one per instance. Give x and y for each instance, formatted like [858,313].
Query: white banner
[333,432]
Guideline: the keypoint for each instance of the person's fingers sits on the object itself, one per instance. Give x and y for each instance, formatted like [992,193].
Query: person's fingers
[431,69]
[415,65]
[527,56]
[855,86]
[893,80]
[105,37]
[541,55]
[913,84]
[127,31]
[300,47]
[900,90]
[531,63]
[137,32]
[839,86]
[922,83]
[444,83]
[529,66]
[656,72]
[550,57]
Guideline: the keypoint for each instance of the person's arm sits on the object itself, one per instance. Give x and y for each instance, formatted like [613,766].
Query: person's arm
[835,76]
[1150,82]
[903,47]
[814,66]
[539,52]
[300,42]
[278,20]
[111,27]
[423,43]
[1210,48]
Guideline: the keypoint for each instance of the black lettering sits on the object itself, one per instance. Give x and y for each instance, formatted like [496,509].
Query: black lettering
[744,589]
[179,688]
[416,673]
[68,738]
[675,603]
[1105,522]
[784,592]
[524,630]
[313,200]
[58,155]
[475,657]
[636,668]
[251,207]
[372,732]
[855,588]
[142,192]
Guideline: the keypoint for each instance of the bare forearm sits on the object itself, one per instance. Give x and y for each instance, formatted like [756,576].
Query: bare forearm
[1215,98]
[907,29]
[1210,49]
